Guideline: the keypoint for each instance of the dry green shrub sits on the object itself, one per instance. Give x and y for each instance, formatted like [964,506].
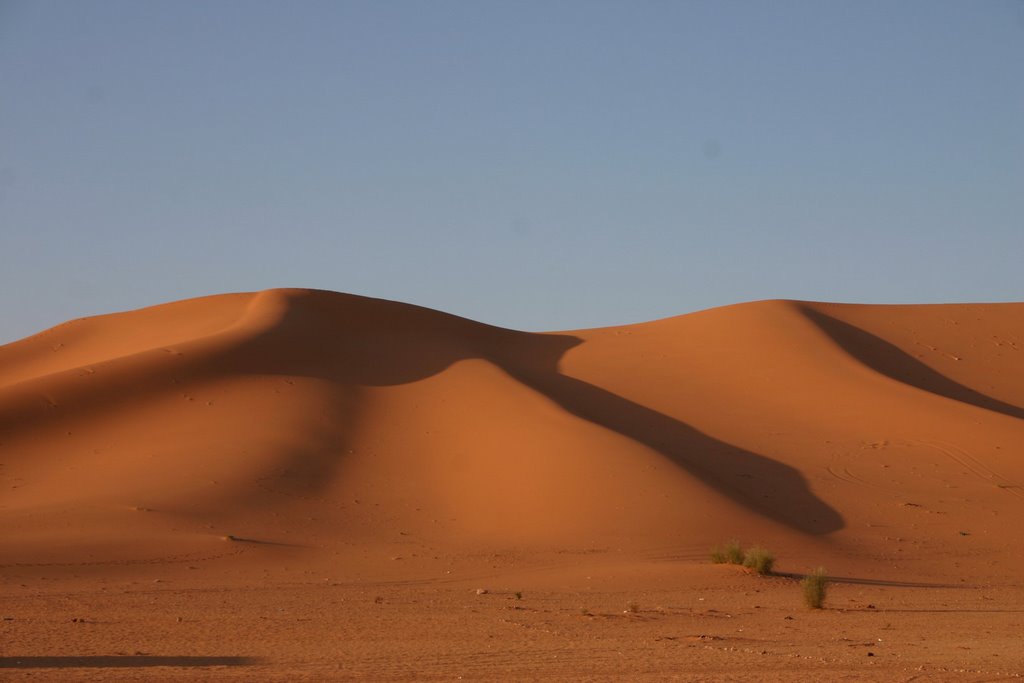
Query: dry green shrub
[759,559]
[814,586]
[730,553]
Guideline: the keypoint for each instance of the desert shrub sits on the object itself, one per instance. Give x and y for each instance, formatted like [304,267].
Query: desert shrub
[759,559]
[730,553]
[814,586]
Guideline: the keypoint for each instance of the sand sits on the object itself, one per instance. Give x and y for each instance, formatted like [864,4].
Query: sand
[306,485]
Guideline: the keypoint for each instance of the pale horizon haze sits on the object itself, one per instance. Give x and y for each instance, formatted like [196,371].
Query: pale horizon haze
[533,165]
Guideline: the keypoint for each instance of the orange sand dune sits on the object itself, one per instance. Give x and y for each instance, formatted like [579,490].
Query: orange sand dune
[349,429]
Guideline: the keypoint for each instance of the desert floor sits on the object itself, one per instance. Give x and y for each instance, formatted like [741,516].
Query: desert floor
[589,617]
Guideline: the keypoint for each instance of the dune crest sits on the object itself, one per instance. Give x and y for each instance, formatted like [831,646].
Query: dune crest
[324,421]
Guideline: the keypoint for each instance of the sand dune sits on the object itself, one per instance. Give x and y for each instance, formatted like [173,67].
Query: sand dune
[326,421]
[304,485]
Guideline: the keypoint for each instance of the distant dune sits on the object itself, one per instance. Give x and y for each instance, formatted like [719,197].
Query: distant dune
[868,435]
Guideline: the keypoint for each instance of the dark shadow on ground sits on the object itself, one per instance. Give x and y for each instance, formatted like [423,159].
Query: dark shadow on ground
[936,611]
[894,362]
[120,662]
[875,582]
[256,541]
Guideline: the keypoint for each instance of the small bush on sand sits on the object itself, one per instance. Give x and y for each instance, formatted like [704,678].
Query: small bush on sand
[814,586]
[759,559]
[730,553]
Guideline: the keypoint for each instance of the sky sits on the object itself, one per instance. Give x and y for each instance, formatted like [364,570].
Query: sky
[542,165]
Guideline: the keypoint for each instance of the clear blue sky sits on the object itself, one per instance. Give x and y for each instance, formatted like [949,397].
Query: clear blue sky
[538,165]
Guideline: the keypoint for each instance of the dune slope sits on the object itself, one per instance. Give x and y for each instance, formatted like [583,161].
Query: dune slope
[337,425]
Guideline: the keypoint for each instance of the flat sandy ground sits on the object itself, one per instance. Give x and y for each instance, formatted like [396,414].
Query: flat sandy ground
[581,618]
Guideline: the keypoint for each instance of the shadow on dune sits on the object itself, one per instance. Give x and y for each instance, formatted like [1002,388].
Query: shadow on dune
[762,485]
[894,362]
[361,341]
[120,662]
[355,342]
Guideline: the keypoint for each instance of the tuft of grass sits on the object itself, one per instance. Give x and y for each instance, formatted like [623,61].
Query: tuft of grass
[759,559]
[814,586]
[730,553]
[519,595]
